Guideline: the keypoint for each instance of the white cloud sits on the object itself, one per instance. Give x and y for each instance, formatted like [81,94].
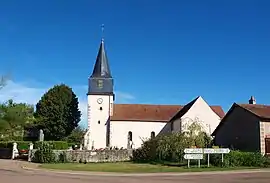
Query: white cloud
[25,93]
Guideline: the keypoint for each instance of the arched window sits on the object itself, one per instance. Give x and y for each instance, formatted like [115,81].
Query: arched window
[153,135]
[130,136]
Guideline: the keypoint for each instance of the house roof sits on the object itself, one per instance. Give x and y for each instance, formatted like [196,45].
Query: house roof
[144,112]
[217,109]
[184,110]
[151,113]
[261,111]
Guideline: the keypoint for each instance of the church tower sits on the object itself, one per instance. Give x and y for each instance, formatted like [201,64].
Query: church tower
[100,98]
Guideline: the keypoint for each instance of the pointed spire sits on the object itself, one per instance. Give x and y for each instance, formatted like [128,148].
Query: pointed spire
[101,68]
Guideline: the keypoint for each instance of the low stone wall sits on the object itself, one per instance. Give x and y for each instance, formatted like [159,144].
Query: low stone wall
[5,153]
[90,156]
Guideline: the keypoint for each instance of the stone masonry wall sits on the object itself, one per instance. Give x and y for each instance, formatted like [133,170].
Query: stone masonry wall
[90,156]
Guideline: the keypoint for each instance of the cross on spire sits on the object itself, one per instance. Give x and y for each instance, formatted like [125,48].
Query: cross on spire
[102,32]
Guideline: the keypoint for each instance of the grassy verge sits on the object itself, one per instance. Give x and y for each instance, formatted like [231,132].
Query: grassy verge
[132,168]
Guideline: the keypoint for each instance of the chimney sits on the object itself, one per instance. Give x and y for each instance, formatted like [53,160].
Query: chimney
[252,100]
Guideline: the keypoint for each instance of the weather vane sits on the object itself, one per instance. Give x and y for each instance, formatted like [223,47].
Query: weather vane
[102,32]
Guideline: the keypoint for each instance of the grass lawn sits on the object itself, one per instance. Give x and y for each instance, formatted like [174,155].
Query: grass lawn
[128,167]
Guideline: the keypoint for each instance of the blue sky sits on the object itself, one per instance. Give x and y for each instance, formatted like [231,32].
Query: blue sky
[160,52]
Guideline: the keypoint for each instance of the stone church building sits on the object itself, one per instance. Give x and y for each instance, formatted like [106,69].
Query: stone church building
[128,125]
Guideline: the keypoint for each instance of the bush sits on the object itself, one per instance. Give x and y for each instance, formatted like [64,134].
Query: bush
[56,145]
[147,153]
[238,158]
[62,157]
[44,154]
[169,148]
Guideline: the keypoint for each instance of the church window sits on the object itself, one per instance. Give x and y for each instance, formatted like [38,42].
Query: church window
[172,127]
[153,135]
[130,136]
[98,122]
[100,108]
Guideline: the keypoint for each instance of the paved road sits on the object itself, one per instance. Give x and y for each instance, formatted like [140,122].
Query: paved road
[11,173]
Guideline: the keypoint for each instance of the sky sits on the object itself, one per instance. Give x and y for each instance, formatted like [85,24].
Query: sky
[160,52]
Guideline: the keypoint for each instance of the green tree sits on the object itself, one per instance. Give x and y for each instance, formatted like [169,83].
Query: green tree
[13,118]
[76,135]
[57,112]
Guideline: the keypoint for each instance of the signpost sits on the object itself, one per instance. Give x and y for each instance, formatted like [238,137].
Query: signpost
[197,154]
[221,151]
[193,151]
[193,156]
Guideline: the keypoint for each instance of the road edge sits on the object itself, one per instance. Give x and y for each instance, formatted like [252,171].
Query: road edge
[69,172]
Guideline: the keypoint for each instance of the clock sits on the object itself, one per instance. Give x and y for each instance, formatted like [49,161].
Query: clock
[99,100]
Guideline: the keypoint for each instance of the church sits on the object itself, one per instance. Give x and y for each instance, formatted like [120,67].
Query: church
[128,125]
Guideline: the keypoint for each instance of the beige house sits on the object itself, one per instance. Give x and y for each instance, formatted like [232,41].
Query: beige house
[245,127]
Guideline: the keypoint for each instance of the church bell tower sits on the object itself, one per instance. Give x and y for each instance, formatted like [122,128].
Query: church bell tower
[100,99]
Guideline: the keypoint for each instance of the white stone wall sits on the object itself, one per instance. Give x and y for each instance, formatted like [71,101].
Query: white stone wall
[97,119]
[140,131]
[200,112]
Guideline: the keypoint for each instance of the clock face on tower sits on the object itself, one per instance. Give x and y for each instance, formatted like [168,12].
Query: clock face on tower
[99,100]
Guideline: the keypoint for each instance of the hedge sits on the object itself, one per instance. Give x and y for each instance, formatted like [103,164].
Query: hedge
[20,144]
[56,145]
[238,158]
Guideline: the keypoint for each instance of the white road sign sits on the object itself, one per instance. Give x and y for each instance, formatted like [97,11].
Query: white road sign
[193,156]
[216,150]
[193,150]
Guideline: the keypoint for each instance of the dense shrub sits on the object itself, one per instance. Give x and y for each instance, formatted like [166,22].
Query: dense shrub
[62,157]
[147,153]
[44,153]
[238,158]
[57,145]
[169,148]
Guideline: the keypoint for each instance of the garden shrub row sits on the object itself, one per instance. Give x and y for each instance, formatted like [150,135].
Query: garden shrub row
[20,144]
[58,145]
[170,149]
[239,158]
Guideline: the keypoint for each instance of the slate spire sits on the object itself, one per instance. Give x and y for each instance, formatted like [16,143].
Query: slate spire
[101,68]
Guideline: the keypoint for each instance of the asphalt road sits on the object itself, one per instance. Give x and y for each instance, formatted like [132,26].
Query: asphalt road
[11,172]
[13,176]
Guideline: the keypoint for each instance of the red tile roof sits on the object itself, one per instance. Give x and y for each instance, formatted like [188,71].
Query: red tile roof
[262,111]
[146,112]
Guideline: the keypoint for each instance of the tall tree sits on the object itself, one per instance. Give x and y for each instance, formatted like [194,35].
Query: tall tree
[57,112]
[13,118]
